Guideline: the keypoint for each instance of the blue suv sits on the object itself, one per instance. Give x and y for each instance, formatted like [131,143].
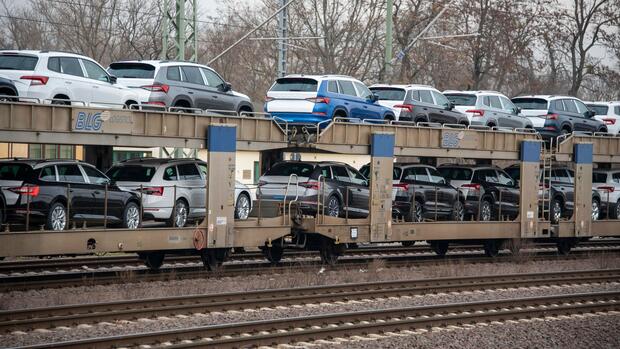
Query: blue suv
[311,99]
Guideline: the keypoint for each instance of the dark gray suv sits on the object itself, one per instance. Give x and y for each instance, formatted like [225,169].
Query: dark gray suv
[180,85]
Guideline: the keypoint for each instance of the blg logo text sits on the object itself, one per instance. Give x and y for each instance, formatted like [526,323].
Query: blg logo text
[88,122]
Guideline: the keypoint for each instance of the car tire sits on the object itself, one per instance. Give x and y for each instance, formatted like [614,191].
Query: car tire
[440,247]
[333,207]
[486,211]
[131,216]
[389,117]
[458,212]
[180,213]
[555,211]
[596,209]
[243,207]
[615,213]
[415,214]
[56,217]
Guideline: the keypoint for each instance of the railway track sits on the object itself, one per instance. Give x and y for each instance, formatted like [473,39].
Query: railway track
[130,260]
[90,278]
[73,315]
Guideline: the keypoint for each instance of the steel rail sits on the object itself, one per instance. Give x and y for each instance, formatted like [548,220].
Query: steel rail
[295,329]
[72,315]
[91,278]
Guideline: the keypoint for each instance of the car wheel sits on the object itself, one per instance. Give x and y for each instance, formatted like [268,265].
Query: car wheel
[131,216]
[491,248]
[615,214]
[556,211]
[333,206]
[56,217]
[154,260]
[179,216]
[486,211]
[242,207]
[440,247]
[596,209]
[458,212]
[565,131]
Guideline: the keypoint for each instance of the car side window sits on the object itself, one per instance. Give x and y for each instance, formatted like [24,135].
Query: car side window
[488,176]
[615,177]
[93,71]
[426,97]
[213,79]
[94,176]
[486,101]
[325,172]
[70,173]
[362,91]
[193,75]
[346,87]
[53,64]
[340,174]
[508,106]
[440,99]
[48,174]
[188,172]
[617,109]
[170,173]
[435,176]
[173,73]
[581,108]
[71,66]
[415,94]
[570,106]
[415,174]
[504,179]
[332,86]
[203,170]
[356,177]
[495,103]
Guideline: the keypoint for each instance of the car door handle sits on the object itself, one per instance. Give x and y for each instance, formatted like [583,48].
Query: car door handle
[190,92]
[96,192]
[67,82]
[214,96]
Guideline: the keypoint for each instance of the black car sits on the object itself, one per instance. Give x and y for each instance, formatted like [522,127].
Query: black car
[490,193]
[56,193]
[434,198]
[553,116]
[7,89]
[419,103]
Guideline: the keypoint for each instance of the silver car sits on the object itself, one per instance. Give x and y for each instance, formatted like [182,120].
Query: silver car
[180,85]
[173,190]
[488,108]
[607,183]
[344,189]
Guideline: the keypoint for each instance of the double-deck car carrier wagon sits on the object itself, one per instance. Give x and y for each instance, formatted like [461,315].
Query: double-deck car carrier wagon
[286,227]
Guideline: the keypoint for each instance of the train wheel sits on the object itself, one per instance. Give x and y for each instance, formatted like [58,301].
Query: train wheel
[329,252]
[514,245]
[564,246]
[153,260]
[213,258]
[491,248]
[440,247]
[273,253]
[408,243]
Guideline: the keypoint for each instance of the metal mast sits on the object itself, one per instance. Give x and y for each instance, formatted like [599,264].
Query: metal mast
[282,40]
[387,65]
[180,29]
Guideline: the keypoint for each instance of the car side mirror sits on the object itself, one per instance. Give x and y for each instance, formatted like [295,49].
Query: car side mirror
[518,110]
[589,114]
[373,98]
[226,87]
[113,79]
[450,106]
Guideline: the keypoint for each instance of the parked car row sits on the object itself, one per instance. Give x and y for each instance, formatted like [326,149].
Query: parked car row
[56,193]
[67,78]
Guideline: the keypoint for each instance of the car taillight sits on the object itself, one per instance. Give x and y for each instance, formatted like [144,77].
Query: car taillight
[156,191]
[552,116]
[36,79]
[606,188]
[609,121]
[476,112]
[543,186]
[310,185]
[268,99]
[406,107]
[157,88]
[261,183]
[28,190]
[156,103]
[402,186]
[474,186]
[318,100]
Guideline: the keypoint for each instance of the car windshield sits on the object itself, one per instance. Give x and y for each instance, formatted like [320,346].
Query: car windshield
[461,99]
[13,172]
[598,109]
[530,103]
[131,173]
[599,177]
[132,70]
[455,173]
[18,62]
[288,168]
[389,93]
[295,85]
[514,172]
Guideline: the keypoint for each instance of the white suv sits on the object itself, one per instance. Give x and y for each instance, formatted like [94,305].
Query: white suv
[488,108]
[607,183]
[607,112]
[63,78]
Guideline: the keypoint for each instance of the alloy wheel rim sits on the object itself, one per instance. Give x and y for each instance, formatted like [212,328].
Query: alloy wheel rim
[557,211]
[243,207]
[59,218]
[418,213]
[595,210]
[181,214]
[460,213]
[332,207]
[486,211]
[133,217]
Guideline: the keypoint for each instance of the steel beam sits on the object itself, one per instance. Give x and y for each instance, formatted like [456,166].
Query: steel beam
[582,215]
